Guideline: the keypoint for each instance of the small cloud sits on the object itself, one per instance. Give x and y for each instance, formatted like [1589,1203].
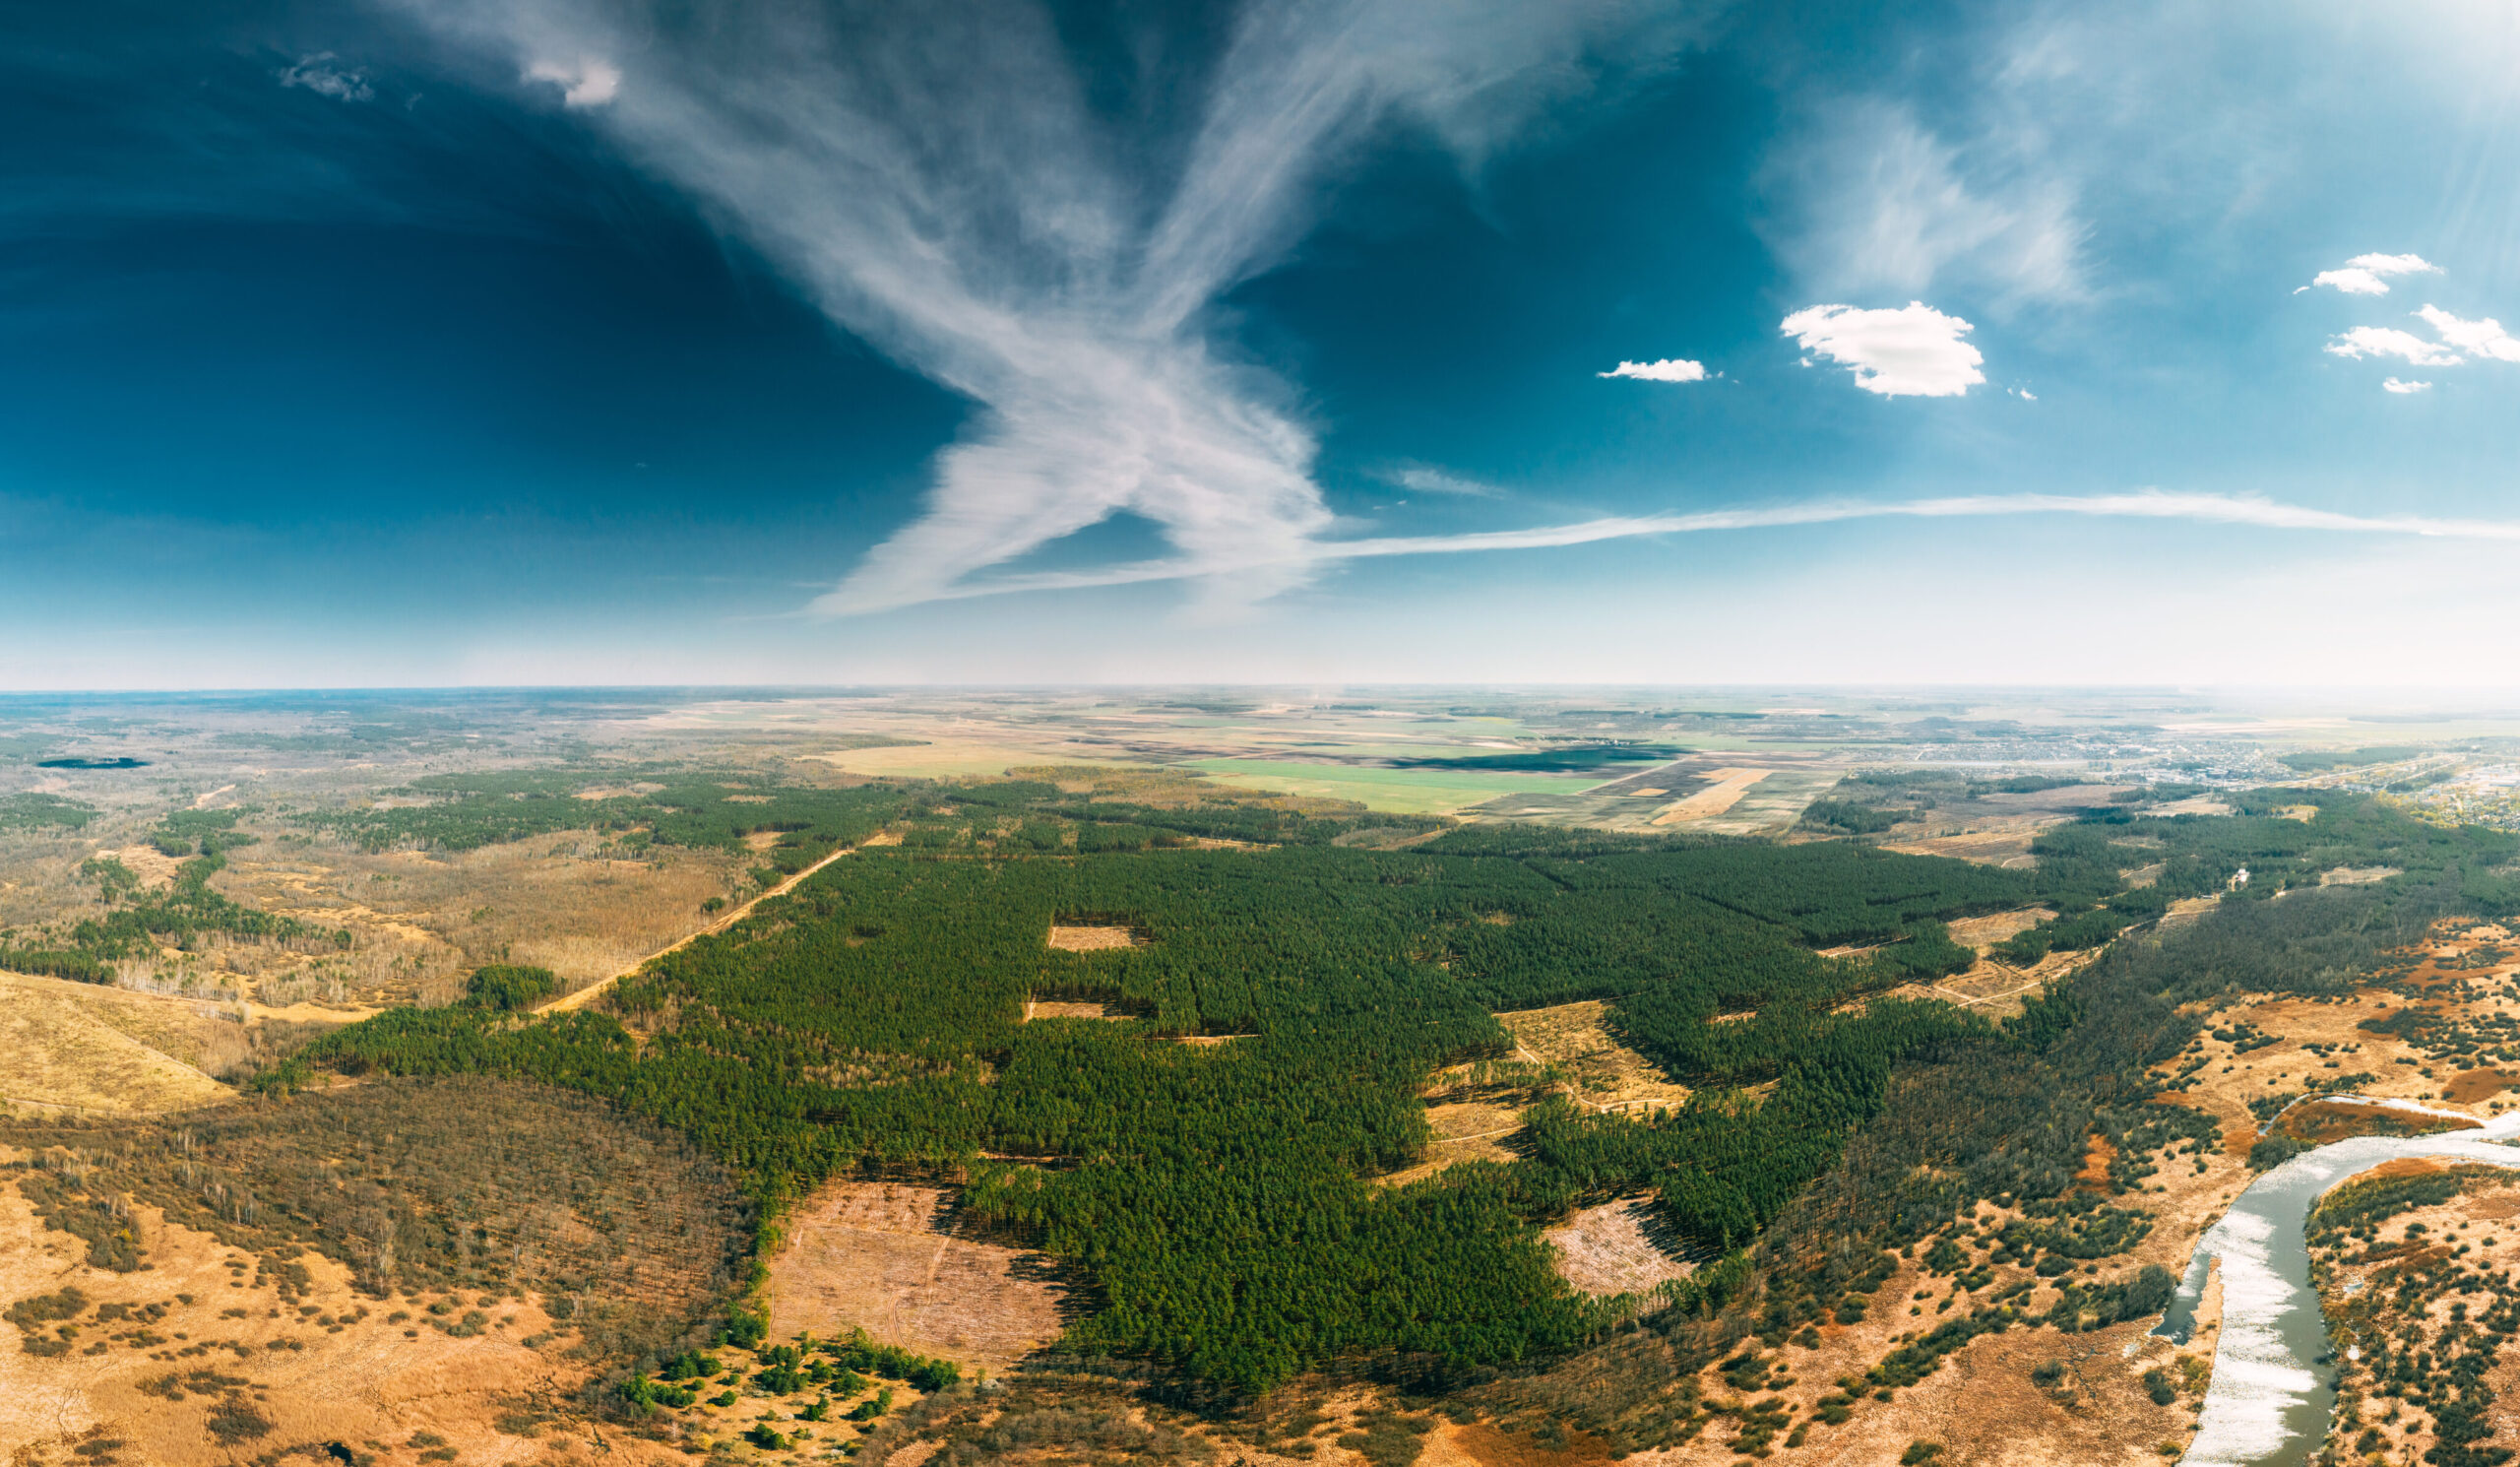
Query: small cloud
[1674,370]
[2361,275]
[322,75]
[2023,393]
[2388,341]
[2485,338]
[1426,480]
[2477,339]
[2392,384]
[586,83]
[2350,280]
[1914,352]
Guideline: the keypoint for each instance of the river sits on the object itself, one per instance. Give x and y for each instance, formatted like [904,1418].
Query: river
[2273,1386]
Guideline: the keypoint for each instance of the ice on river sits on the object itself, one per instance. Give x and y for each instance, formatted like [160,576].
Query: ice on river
[2272,1389]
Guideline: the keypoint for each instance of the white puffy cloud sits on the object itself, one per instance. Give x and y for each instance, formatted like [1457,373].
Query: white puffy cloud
[2485,338]
[2388,341]
[1913,352]
[1672,369]
[585,82]
[2392,384]
[2461,341]
[323,75]
[2361,275]
[2350,280]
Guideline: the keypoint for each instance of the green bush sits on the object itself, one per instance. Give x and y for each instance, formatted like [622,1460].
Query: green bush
[507,986]
[2274,1150]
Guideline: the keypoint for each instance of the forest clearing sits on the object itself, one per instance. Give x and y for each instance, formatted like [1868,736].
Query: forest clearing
[887,1257]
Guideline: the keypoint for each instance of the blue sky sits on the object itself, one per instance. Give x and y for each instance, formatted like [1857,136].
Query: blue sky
[542,340]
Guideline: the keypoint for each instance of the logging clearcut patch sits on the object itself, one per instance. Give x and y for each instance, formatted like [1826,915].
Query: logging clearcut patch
[1091,939]
[1617,1247]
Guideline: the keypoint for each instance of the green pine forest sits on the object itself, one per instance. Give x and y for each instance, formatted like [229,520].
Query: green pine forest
[1221,1197]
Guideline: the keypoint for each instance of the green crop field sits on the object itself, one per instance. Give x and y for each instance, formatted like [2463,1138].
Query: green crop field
[1408,791]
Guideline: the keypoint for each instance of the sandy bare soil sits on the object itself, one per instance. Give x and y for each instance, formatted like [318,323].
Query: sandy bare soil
[2000,841]
[1478,1445]
[153,867]
[1604,1074]
[330,1367]
[1049,1008]
[883,1256]
[1617,1247]
[1091,939]
[1715,799]
[2357,875]
[1982,932]
[2196,805]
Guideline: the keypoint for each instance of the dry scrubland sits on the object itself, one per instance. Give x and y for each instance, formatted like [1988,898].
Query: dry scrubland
[426,918]
[1984,1404]
[182,1022]
[419,921]
[2400,1285]
[269,1279]
[2291,1044]
[2029,1397]
[84,1047]
[228,1369]
[1599,1071]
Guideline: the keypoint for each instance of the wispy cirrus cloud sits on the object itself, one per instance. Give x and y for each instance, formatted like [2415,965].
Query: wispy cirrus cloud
[2140,504]
[1869,197]
[586,81]
[1426,480]
[324,74]
[940,183]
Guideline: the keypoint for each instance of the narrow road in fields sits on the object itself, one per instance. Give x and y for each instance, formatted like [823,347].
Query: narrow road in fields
[586,996]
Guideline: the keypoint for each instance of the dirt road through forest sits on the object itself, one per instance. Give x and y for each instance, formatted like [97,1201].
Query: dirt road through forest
[586,996]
